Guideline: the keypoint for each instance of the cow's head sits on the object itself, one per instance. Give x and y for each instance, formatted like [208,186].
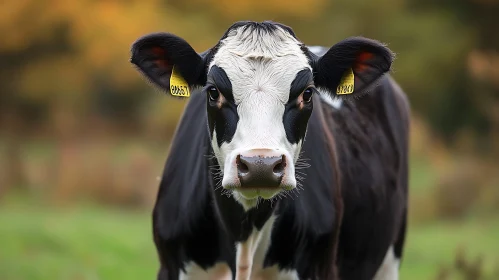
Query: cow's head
[259,81]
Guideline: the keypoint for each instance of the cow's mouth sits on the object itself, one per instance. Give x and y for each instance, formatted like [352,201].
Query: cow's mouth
[252,193]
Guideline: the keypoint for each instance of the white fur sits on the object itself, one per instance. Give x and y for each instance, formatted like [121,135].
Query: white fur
[221,271]
[318,50]
[251,255]
[389,269]
[261,67]
[332,101]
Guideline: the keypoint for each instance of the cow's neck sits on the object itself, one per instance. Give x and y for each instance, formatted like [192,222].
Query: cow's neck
[250,254]
[249,229]
[239,222]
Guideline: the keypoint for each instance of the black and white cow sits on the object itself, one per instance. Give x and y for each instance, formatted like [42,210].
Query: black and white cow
[271,173]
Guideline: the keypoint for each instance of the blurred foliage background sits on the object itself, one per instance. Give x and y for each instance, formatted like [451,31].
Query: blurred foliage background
[83,137]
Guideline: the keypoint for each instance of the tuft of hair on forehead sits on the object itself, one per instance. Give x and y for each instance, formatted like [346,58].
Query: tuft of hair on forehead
[265,26]
[258,39]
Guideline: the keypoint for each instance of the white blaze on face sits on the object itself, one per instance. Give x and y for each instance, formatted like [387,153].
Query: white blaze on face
[261,65]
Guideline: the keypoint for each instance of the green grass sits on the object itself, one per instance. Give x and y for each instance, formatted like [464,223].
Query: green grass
[422,175]
[83,243]
[430,246]
[91,242]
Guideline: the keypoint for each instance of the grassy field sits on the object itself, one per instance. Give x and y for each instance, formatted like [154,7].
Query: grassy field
[89,242]
[95,242]
[81,243]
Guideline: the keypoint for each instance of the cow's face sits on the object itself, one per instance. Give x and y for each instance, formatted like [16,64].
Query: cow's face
[260,86]
[259,81]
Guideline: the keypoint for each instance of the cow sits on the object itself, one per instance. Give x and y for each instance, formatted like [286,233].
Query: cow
[289,162]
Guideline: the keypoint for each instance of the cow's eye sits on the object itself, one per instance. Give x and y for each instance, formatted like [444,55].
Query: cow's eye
[213,93]
[307,95]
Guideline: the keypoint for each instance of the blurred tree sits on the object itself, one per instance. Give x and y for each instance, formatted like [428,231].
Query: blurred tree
[74,54]
[474,94]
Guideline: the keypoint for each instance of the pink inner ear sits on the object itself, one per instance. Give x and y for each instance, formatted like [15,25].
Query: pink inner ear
[360,62]
[160,61]
[157,51]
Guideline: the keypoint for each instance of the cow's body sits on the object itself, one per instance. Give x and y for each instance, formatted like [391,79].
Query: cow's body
[369,140]
[267,180]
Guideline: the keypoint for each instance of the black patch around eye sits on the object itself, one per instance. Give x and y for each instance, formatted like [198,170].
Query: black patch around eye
[302,80]
[222,120]
[219,78]
[222,117]
[295,120]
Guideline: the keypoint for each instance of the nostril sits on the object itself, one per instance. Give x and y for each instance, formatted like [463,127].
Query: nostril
[242,168]
[280,165]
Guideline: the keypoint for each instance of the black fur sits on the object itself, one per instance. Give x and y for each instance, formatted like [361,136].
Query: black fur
[295,119]
[303,79]
[222,120]
[372,144]
[218,78]
[182,216]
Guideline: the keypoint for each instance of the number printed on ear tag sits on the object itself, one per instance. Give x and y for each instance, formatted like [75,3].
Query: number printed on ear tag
[346,85]
[178,86]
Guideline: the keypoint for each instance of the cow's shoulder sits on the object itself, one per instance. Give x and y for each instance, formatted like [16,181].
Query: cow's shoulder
[371,136]
[303,236]
[185,226]
[184,189]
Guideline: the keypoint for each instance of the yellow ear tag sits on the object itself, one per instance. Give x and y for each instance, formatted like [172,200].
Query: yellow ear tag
[178,86]
[346,85]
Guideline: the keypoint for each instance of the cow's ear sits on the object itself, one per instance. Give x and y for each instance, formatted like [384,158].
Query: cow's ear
[353,66]
[159,55]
